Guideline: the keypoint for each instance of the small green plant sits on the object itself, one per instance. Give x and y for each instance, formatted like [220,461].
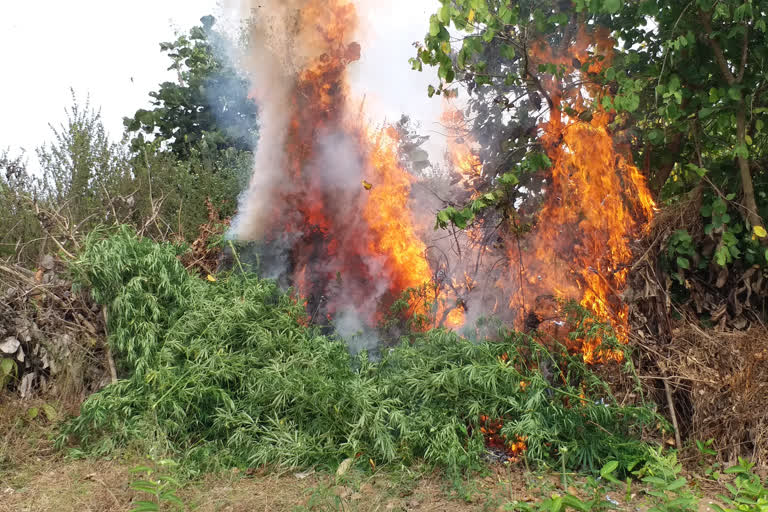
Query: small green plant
[7,372]
[159,490]
[712,471]
[748,492]
[555,503]
[596,502]
[662,475]
[681,253]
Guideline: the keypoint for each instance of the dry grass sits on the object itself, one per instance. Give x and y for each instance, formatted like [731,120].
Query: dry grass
[62,485]
[36,478]
[725,378]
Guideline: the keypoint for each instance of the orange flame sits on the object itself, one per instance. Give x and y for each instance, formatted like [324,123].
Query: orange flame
[460,150]
[386,212]
[357,246]
[597,200]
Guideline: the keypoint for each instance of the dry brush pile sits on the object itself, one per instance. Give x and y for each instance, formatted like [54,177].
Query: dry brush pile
[699,335]
[52,339]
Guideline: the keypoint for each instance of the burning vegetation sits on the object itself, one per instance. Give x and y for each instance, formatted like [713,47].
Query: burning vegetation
[503,280]
[347,240]
[338,216]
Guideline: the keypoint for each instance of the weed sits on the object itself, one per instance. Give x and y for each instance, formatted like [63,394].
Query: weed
[711,470]
[748,492]
[223,374]
[670,490]
[159,489]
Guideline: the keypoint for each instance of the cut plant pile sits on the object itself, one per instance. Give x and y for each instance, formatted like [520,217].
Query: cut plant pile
[699,335]
[51,339]
[222,373]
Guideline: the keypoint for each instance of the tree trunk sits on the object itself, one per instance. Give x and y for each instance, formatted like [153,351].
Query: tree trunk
[746,176]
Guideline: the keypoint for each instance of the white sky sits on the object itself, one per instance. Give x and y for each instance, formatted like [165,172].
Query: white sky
[93,46]
[110,51]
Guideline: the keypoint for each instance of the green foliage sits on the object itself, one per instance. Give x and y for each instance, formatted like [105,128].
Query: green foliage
[160,489]
[81,165]
[748,491]
[19,227]
[681,254]
[208,110]
[8,371]
[670,490]
[556,503]
[222,373]
[86,181]
[687,84]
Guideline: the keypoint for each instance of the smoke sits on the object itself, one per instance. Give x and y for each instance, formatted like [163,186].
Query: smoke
[271,88]
[326,201]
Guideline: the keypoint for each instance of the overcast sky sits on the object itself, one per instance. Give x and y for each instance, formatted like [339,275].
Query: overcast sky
[108,50]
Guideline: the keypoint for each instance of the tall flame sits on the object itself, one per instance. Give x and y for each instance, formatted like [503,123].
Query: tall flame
[597,200]
[330,196]
[340,196]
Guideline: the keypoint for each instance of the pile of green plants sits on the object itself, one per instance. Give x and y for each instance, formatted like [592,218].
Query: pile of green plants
[221,372]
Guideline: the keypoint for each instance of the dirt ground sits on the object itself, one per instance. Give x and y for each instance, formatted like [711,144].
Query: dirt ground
[35,477]
[70,486]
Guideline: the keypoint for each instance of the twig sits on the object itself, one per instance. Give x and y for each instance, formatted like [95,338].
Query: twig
[673,414]
[100,481]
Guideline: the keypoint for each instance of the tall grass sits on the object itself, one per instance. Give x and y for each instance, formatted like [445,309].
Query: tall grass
[223,374]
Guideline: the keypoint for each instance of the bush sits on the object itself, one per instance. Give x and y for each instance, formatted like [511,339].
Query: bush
[224,373]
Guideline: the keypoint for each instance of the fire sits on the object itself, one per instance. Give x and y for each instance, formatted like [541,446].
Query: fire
[339,198]
[343,196]
[394,233]
[491,430]
[597,200]
[460,150]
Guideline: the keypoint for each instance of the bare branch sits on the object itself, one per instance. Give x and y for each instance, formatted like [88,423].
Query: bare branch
[716,48]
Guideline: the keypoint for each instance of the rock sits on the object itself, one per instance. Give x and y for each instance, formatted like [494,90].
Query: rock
[304,474]
[25,388]
[20,355]
[48,262]
[10,345]
[344,467]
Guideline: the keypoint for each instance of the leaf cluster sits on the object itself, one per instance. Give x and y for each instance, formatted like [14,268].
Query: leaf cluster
[207,109]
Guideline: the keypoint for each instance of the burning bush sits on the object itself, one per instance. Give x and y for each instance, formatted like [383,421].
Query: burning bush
[223,373]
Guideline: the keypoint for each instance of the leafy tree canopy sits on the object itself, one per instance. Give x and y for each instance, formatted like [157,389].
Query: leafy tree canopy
[688,87]
[207,107]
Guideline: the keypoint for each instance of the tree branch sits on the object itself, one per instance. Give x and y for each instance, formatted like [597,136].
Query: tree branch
[716,48]
[744,53]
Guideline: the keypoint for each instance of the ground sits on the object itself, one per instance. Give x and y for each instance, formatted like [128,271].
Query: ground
[35,477]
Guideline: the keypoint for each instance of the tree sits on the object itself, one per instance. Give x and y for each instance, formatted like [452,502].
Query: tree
[704,75]
[207,109]
[688,84]
[19,227]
